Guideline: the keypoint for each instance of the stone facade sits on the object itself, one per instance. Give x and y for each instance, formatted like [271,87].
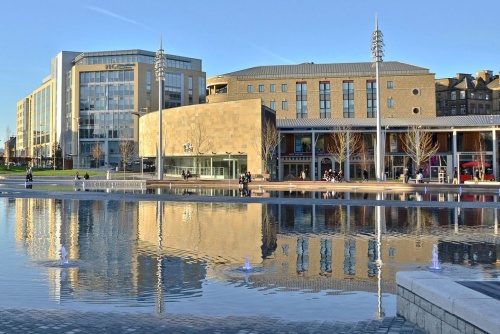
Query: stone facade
[234,127]
[405,90]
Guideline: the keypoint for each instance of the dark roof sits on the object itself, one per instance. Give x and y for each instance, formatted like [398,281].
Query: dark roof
[431,122]
[327,70]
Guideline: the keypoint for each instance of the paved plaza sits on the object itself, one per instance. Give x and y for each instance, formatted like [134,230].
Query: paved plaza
[57,321]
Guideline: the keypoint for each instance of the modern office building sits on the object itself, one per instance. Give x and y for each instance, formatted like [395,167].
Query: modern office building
[92,99]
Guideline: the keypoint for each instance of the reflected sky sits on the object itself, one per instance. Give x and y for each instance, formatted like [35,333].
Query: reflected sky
[310,262]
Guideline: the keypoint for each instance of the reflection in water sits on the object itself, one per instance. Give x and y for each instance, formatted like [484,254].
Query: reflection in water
[131,259]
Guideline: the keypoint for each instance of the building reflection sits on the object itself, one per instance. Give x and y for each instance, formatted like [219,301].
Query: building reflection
[135,249]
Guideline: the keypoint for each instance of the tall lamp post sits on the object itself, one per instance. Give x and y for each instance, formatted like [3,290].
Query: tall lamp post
[160,77]
[378,53]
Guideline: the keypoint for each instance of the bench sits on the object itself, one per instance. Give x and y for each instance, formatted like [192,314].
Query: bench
[424,180]
[262,177]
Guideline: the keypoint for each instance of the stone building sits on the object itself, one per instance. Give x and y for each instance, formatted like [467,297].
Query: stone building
[348,90]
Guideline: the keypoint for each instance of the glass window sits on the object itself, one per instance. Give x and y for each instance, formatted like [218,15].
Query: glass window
[462,109]
[390,102]
[261,88]
[324,100]
[301,99]
[389,84]
[284,87]
[462,94]
[272,88]
[250,89]
[371,98]
[348,98]
[273,105]
[284,105]
[453,95]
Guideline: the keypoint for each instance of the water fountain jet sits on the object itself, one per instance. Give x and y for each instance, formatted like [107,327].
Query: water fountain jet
[435,259]
[247,265]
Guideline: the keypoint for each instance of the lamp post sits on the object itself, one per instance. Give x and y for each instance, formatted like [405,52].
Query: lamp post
[378,53]
[160,77]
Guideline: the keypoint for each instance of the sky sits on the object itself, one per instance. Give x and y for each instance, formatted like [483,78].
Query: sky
[229,35]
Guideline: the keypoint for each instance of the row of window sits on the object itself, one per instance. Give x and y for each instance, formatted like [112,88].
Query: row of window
[472,95]
[322,86]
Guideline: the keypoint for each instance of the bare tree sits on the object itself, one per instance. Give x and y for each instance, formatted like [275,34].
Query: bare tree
[418,143]
[201,141]
[344,141]
[364,154]
[480,156]
[97,153]
[268,143]
[128,151]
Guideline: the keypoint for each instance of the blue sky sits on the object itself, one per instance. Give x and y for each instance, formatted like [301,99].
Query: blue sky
[229,35]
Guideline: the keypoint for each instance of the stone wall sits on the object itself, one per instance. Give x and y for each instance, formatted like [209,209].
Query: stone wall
[440,305]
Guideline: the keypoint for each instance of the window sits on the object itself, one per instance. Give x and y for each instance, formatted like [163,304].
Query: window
[301,99]
[324,100]
[488,109]
[273,105]
[371,99]
[284,105]
[272,88]
[480,109]
[250,89]
[480,95]
[487,96]
[284,87]
[472,108]
[389,85]
[453,110]
[472,95]
[462,95]
[261,88]
[416,91]
[462,109]
[390,102]
[348,97]
[453,95]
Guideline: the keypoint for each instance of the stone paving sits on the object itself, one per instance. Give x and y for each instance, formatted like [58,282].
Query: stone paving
[60,321]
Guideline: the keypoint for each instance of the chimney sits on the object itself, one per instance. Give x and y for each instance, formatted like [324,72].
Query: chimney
[486,75]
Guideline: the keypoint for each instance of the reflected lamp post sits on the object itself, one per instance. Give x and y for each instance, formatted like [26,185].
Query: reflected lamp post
[160,67]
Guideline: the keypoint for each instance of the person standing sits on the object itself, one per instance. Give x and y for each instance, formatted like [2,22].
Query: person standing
[407,175]
[476,176]
[365,175]
[455,176]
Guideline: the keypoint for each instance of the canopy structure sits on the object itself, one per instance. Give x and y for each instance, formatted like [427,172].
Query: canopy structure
[476,163]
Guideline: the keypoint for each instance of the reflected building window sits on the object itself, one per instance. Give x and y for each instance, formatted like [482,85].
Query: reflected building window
[350,257]
[302,255]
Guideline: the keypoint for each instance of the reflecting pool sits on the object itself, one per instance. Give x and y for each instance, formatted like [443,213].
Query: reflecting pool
[305,262]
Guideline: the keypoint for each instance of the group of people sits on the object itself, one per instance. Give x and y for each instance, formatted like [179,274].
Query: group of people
[333,176]
[186,176]
[85,177]
[245,178]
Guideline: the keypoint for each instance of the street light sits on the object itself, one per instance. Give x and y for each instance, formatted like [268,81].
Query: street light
[160,77]
[229,168]
[378,53]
